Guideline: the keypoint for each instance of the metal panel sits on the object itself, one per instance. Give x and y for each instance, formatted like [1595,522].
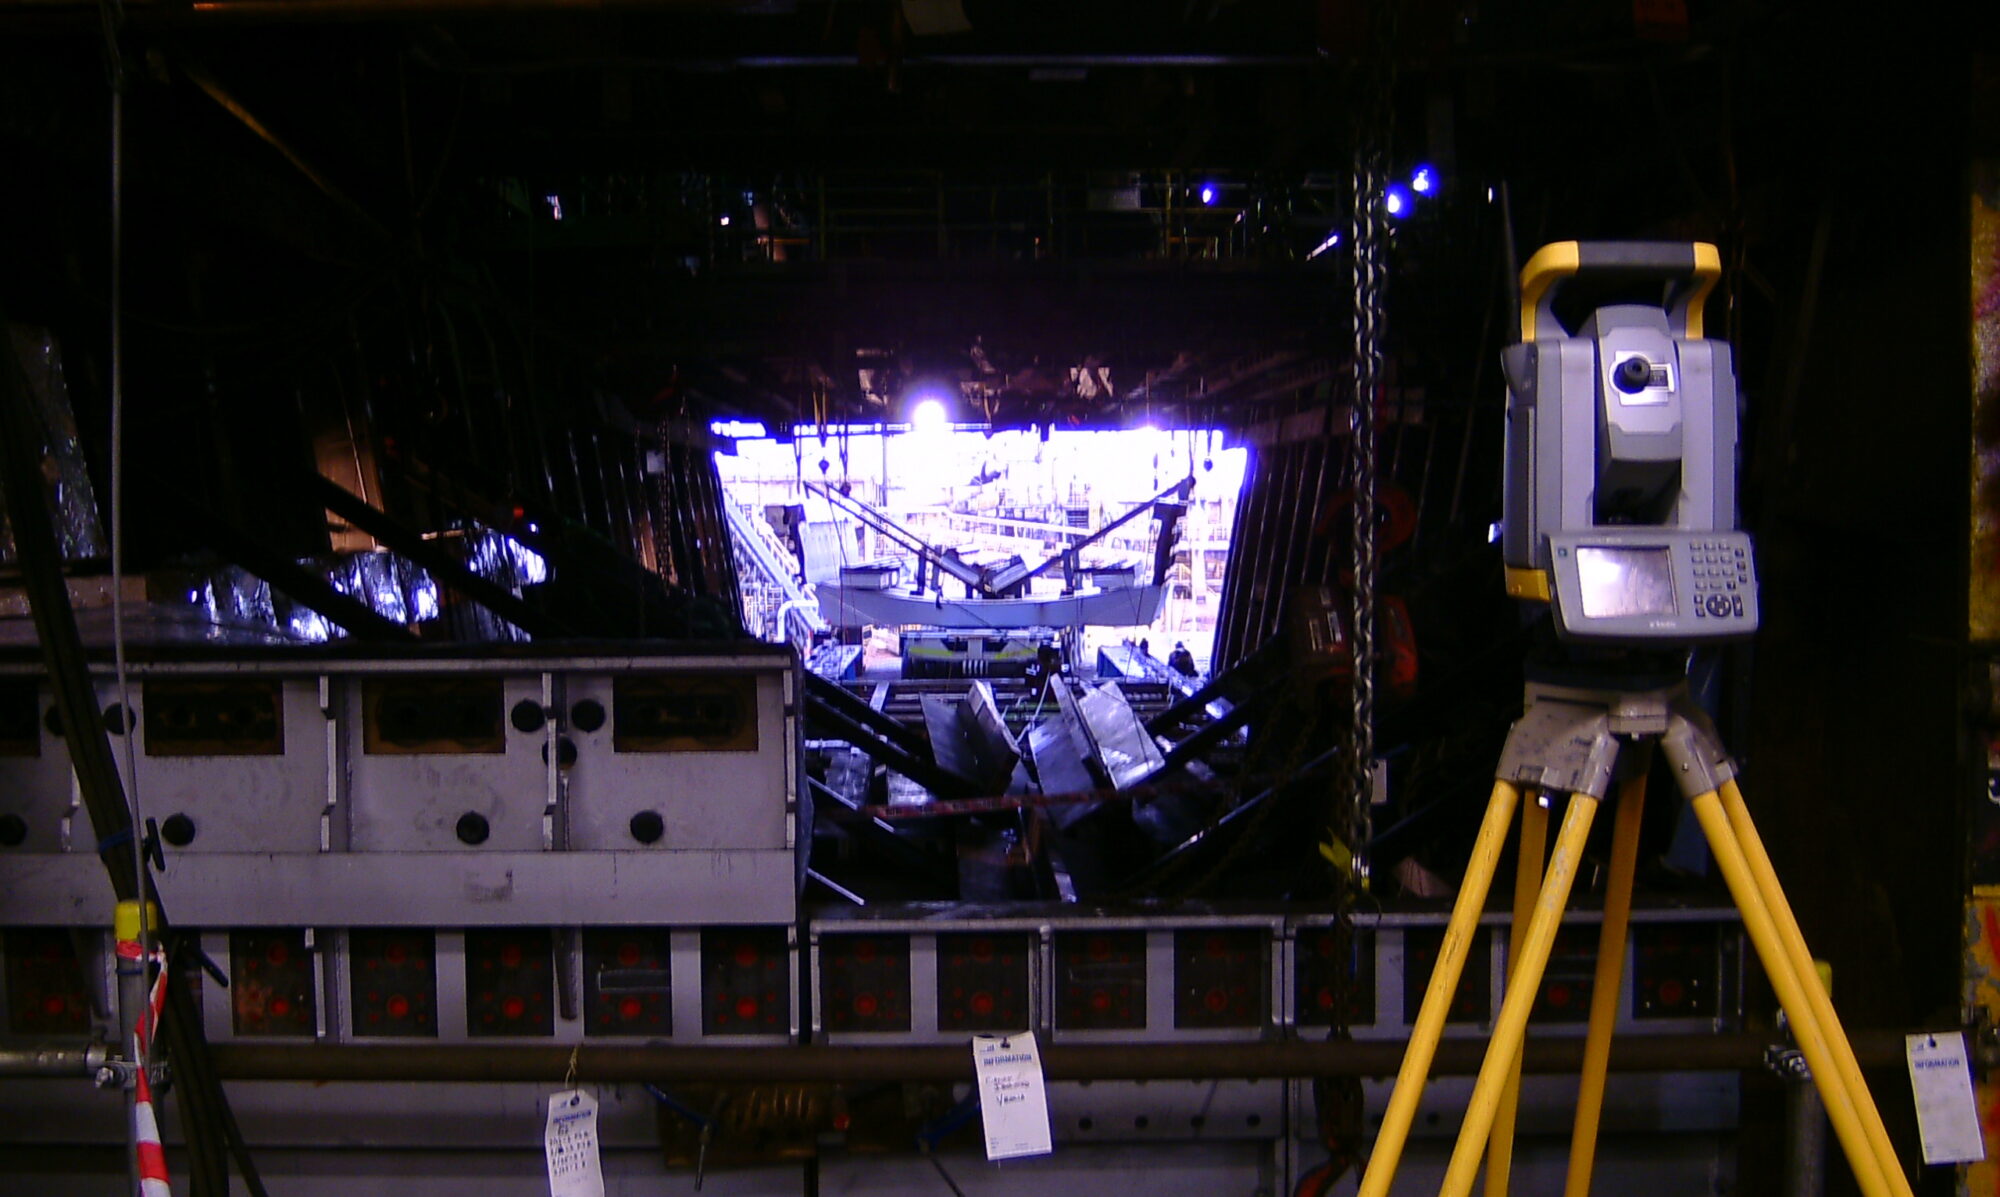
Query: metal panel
[395,766]
[478,791]
[422,889]
[261,802]
[39,789]
[692,998]
[926,1023]
[732,799]
[1151,1014]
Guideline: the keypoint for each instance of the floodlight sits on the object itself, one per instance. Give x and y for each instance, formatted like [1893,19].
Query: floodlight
[928,415]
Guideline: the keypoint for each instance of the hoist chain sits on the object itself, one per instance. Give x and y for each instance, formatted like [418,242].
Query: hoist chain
[1369,252]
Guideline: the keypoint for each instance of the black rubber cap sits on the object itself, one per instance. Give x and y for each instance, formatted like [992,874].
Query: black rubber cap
[527,716]
[472,828]
[648,827]
[587,716]
[178,830]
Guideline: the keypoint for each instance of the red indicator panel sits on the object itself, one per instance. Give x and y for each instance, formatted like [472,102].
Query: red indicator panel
[864,982]
[46,994]
[509,982]
[1221,977]
[1676,970]
[982,981]
[1335,977]
[745,984]
[271,986]
[1101,980]
[1473,1001]
[627,984]
[395,983]
[1570,977]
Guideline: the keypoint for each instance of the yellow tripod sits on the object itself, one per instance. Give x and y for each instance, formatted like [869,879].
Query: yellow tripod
[1568,742]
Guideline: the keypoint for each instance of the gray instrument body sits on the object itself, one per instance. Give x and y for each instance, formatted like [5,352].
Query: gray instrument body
[1623,436]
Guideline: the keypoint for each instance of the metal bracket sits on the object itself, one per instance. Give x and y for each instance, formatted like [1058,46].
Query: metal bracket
[1568,738]
[120,1073]
[1787,1063]
[1561,746]
[1695,751]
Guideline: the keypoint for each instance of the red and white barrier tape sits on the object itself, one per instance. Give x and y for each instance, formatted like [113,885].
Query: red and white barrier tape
[152,1154]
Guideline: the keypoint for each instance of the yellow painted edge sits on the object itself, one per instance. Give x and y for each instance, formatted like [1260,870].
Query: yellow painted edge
[1707,269]
[1556,260]
[1531,584]
[125,919]
[1986,891]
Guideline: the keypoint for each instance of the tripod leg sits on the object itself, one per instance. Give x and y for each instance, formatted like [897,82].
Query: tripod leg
[1870,1175]
[1512,1025]
[1605,986]
[1801,960]
[1527,883]
[1465,912]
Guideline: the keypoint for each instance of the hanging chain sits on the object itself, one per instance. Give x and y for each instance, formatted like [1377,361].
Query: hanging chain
[1371,137]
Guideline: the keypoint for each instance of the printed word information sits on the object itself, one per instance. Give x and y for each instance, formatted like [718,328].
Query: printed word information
[1013,1101]
[1947,1118]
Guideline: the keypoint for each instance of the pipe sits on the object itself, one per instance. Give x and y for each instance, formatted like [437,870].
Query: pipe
[1735,1051]
[1805,1140]
[44,1060]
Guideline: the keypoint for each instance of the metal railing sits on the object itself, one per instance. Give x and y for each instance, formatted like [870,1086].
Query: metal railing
[783,608]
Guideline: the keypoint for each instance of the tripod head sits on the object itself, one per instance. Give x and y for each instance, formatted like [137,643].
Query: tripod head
[1620,494]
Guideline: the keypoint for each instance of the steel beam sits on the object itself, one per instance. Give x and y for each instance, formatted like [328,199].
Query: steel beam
[234,544]
[435,561]
[1061,1062]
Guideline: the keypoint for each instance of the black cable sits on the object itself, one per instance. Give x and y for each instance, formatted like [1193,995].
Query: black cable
[942,1174]
[208,1172]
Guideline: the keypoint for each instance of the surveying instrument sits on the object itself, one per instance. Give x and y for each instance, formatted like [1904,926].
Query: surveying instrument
[1620,515]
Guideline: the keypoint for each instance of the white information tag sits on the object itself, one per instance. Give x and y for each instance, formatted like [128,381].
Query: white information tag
[1947,1116]
[571,1145]
[1013,1101]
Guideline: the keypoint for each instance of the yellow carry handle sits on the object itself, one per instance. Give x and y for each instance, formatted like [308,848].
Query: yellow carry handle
[1696,262]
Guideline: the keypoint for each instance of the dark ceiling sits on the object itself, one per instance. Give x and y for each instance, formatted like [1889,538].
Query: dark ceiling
[739,207]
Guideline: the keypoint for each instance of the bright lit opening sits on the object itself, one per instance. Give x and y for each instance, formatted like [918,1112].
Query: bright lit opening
[988,498]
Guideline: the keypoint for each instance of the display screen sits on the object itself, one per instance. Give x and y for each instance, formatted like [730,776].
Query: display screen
[1618,583]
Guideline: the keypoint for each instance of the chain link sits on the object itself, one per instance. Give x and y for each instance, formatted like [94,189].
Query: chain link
[1370,233]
